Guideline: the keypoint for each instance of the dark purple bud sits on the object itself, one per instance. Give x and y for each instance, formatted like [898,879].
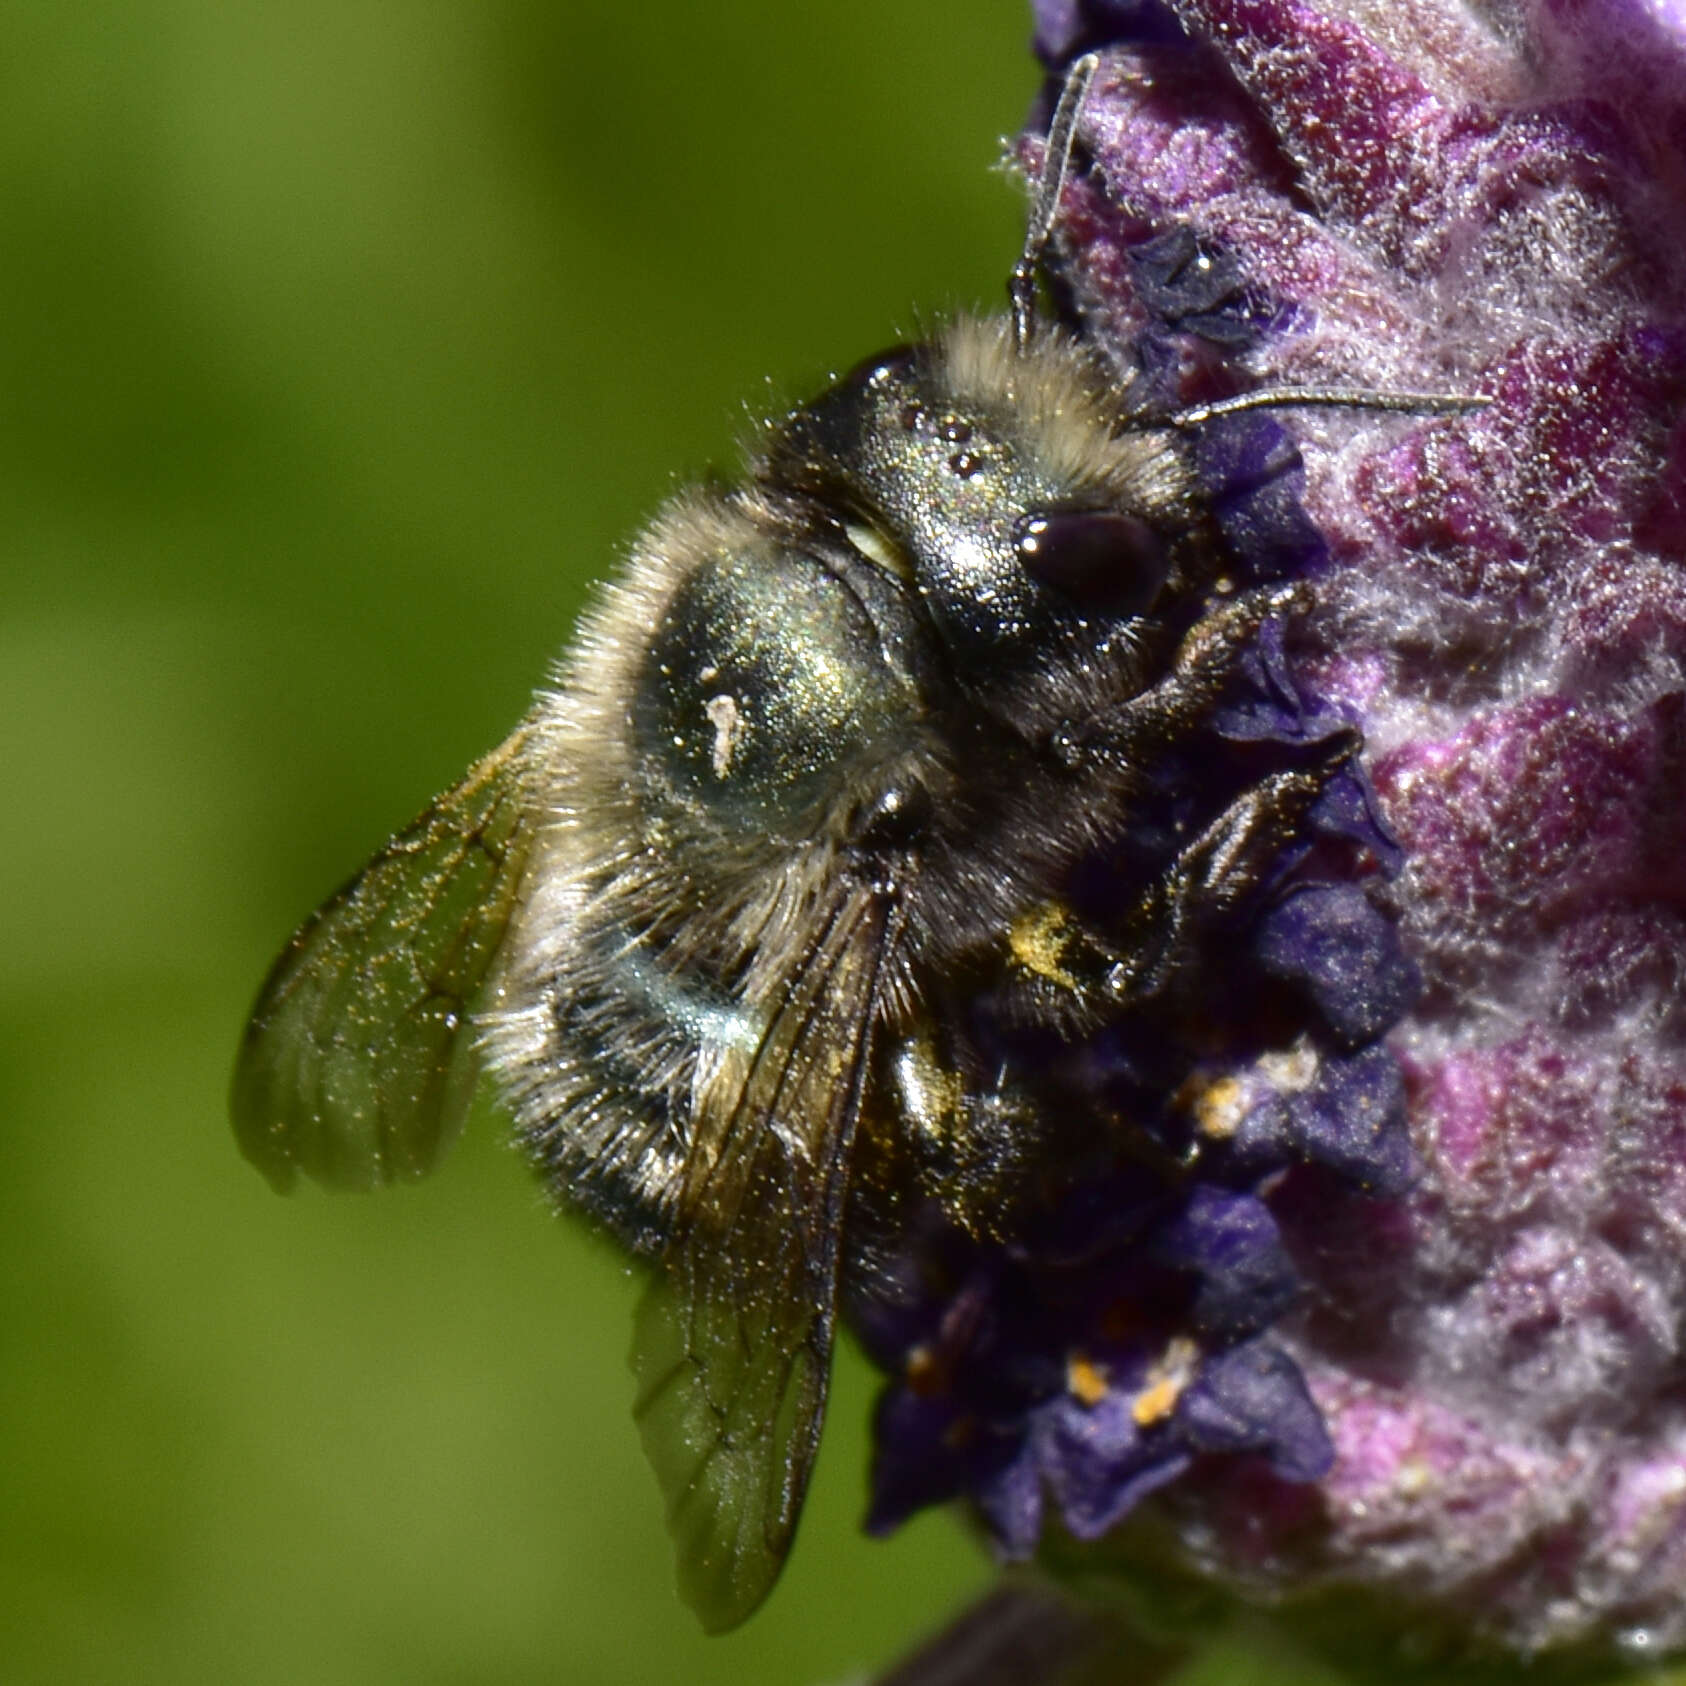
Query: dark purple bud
[1255,476]
[1233,1244]
[1351,1120]
[1065,28]
[1099,1463]
[1348,809]
[1010,1502]
[1254,1399]
[1331,944]
[1268,706]
[1194,287]
[927,1450]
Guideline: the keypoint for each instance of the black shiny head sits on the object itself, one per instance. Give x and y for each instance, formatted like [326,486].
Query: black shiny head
[1002,484]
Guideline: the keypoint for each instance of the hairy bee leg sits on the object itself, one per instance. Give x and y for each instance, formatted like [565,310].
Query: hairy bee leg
[1051,947]
[1211,646]
[975,1145]
[1217,869]
[1204,664]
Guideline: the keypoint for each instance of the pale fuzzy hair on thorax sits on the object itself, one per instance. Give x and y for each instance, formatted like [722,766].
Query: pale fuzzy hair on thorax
[1062,409]
[586,700]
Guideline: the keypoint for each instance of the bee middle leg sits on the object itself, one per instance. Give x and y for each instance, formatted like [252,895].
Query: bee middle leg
[1080,974]
[1218,868]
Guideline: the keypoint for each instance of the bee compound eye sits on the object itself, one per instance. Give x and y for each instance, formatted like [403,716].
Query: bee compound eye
[1102,560]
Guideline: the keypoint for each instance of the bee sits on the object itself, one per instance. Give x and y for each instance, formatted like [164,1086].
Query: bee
[812,781]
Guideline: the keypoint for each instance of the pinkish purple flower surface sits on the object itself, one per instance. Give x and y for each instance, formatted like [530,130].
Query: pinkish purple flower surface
[1431,196]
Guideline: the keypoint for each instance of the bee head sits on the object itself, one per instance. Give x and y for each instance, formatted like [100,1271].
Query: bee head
[1001,485]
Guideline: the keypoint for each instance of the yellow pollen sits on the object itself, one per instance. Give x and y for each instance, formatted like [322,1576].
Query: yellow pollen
[1038,939]
[1293,1069]
[1085,1380]
[1218,1108]
[1155,1402]
[1165,1383]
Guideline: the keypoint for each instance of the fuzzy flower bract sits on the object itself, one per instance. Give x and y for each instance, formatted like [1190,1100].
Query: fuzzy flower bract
[1412,1333]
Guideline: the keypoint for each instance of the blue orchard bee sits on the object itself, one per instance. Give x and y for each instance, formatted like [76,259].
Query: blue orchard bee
[812,780]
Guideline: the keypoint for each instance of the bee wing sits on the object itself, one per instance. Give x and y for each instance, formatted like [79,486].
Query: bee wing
[356,1067]
[732,1348]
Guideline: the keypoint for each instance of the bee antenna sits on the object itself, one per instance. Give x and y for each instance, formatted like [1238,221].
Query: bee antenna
[1056,163]
[1332,398]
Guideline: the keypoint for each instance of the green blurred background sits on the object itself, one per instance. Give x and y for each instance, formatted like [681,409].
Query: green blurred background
[344,342]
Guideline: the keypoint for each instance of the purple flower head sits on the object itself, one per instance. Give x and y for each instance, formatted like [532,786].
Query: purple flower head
[1387,1303]
[1117,1333]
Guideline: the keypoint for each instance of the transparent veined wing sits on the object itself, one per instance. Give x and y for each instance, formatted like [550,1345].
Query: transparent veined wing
[732,1349]
[358,1062]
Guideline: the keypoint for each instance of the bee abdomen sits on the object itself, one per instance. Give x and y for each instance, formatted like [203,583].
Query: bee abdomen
[599,1057]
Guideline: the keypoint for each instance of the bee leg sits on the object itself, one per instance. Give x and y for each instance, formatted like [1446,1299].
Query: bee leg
[979,1145]
[1204,664]
[1078,976]
[1212,646]
[1212,873]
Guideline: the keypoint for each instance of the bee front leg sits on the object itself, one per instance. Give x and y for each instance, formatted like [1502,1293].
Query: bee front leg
[1201,670]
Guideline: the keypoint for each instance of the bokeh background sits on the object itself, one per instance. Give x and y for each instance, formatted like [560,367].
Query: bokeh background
[343,342]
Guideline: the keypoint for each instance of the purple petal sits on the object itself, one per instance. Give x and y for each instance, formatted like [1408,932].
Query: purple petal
[1254,1399]
[1099,1465]
[1233,1244]
[1329,941]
